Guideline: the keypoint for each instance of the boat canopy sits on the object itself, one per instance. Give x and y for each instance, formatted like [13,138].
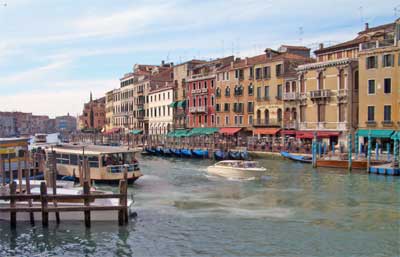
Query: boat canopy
[266,131]
[173,104]
[229,131]
[375,133]
[181,104]
[136,131]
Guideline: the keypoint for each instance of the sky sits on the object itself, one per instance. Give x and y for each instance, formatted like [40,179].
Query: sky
[53,53]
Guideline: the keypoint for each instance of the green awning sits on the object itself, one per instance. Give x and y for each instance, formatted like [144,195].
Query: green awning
[396,136]
[136,131]
[375,133]
[182,104]
[178,133]
[173,104]
[202,131]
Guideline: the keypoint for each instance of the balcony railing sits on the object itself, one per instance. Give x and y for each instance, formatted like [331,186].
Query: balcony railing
[292,124]
[370,123]
[266,123]
[196,91]
[320,94]
[377,44]
[290,96]
[342,92]
[387,123]
[198,109]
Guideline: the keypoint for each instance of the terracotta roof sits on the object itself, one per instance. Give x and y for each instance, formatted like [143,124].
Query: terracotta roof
[296,47]
[163,76]
[259,59]
[351,43]
[380,27]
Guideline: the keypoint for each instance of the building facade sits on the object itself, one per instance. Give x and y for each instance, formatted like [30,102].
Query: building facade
[93,116]
[201,98]
[379,78]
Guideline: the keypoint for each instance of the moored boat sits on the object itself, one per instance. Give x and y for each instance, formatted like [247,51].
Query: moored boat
[166,152]
[200,153]
[176,152]
[344,164]
[235,155]
[220,155]
[237,169]
[186,152]
[295,157]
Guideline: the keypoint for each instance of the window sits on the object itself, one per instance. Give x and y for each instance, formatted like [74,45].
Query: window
[267,72]
[194,102]
[226,107]
[205,84]
[259,92]
[371,113]
[227,76]
[251,72]
[163,96]
[218,92]
[387,86]
[212,101]
[341,79]
[168,95]
[387,113]
[218,120]
[236,120]
[240,120]
[372,62]
[342,112]
[287,87]
[279,115]
[199,99]
[217,107]
[205,101]
[250,120]
[227,91]
[236,74]
[212,83]
[250,107]
[226,120]
[293,86]
[279,93]
[258,73]
[388,60]
[205,119]
[266,92]
[278,70]
[371,87]
[320,81]
[321,113]
[212,120]
[251,89]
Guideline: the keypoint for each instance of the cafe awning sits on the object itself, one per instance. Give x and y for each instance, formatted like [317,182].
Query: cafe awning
[266,131]
[173,104]
[396,136]
[181,104]
[136,131]
[111,131]
[320,134]
[375,133]
[202,131]
[288,132]
[178,133]
[229,131]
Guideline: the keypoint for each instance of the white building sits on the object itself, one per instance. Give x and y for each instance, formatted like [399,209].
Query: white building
[160,111]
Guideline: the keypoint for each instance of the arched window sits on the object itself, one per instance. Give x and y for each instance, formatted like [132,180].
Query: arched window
[341,79]
[293,86]
[212,100]
[294,114]
[205,101]
[205,84]
[287,87]
[302,84]
[279,115]
[227,91]
[266,116]
[199,99]
[320,81]
[218,92]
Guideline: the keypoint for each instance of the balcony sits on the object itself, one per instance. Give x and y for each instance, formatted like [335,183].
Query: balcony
[265,123]
[199,109]
[292,124]
[320,94]
[321,125]
[387,123]
[342,95]
[290,96]
[278,97]
[200,91]
[370,123]
[377,44]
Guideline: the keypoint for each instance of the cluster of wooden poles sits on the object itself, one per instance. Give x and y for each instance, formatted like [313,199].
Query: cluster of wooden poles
[23,194]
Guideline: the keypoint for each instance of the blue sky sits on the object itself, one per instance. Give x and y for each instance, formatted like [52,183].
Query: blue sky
[54,52]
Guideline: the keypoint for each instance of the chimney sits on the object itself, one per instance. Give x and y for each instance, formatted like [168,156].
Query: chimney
[268,53]
[366,26]
[321,46]
[231,64]
[162,63]
[246,61]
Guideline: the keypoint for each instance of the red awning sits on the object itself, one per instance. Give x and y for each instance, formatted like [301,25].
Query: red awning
[266,131]
[288,132]
[229,131]
[320,134]
[111,131]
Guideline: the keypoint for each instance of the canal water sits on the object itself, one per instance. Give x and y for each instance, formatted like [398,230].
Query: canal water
[293,211]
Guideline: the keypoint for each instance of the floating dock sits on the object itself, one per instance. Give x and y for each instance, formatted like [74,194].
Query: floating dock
[385,169]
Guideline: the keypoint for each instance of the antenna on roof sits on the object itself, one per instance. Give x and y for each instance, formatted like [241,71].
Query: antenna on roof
[301,32]
[360,9]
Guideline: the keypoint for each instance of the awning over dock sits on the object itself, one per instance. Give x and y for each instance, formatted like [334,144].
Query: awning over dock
[229,131]
[320,134]
[202,131]
[266,131]
[136,131]
[375,133]
[396,136]
[178,133]
[111,131]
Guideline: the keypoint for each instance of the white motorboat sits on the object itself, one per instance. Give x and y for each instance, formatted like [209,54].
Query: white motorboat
[79,215]
[237,169]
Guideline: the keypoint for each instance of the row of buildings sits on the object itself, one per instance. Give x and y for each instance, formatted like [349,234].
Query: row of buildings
[26,124]
[344,87]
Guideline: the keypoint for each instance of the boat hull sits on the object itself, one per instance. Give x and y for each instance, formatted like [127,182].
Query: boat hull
[186,153]
[200,153]
[344,164]
[233,173]
[297,158]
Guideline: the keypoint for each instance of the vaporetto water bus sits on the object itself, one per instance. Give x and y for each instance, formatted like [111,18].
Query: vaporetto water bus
[106,163]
